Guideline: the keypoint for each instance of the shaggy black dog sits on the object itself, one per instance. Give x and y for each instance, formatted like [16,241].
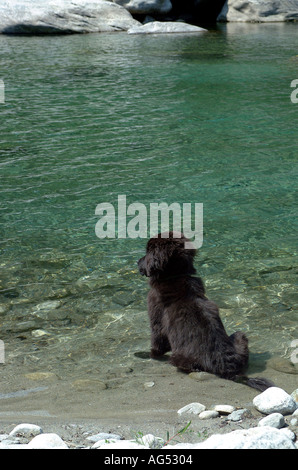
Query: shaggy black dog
[182,318]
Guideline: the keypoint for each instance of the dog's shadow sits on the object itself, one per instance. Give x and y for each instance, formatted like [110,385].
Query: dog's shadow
[146,355]
[257,362]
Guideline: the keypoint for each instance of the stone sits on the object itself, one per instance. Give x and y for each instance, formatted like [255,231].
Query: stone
[149,385]
[275,420]
[238,415]
[263,437]
[294,395]
[149,7]
[208,414]
[4,445]
[192,408]
[259,11]
[159,27]
[41,376]
[127,444]
[47,441]
[39,333]
[275,400]
[63,16]
[26,430]
[151,441]
[290,434]
[224,409]
[103,436]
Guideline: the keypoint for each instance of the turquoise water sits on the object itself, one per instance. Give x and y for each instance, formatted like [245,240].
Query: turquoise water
[205,119]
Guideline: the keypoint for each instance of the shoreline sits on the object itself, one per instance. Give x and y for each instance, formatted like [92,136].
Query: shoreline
[149,405]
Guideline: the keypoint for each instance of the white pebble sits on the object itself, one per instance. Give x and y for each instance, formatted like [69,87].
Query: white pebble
[237,415]
[224,409]
[129,444]
[149,440]
[47,441]
[26,430]
[208,414]
[275,420]
[103,436]
[192,408]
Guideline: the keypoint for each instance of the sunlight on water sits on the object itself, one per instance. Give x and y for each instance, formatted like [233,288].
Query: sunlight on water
[204,119]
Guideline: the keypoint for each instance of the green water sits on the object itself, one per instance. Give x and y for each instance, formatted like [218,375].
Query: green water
[204,118]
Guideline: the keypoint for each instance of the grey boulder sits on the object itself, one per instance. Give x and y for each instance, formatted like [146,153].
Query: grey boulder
[165,27]
[259,11]
[63,17]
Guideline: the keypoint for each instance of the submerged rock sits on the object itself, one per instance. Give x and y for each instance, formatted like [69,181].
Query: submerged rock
[159,27]
[259,11]
[63,16]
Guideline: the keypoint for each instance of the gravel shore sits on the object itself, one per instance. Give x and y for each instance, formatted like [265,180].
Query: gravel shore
[270,421]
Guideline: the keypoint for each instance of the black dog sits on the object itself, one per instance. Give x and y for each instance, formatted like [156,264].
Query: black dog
[184,321]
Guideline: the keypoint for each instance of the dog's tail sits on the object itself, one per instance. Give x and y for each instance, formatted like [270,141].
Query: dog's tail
[259,383]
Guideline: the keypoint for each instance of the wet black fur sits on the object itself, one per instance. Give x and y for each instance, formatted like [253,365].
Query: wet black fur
[184,321]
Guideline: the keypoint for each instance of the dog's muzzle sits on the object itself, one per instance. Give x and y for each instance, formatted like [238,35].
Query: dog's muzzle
[142,266]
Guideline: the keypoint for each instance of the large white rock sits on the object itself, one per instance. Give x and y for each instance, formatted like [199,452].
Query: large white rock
[148,7]
[47,441]
[263,437]
[259,10]
[162,27]
[275,400]
[63,16]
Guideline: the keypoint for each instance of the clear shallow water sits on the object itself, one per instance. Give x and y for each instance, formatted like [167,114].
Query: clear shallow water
[175,119]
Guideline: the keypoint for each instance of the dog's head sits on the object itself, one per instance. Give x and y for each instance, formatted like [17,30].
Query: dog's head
[166,256]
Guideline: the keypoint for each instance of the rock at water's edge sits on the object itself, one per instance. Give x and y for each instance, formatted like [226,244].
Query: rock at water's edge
[159,27]
[63,17]
[259,11]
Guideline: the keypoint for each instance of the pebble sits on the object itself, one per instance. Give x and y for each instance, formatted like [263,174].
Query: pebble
[294,395]
[192,408]
[149,384]
[275,399]
[208,414]
[224,409]
[238,415]
[103,436]
[26,430]
[275,420]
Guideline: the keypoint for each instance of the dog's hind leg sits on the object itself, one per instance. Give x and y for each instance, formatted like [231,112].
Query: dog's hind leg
[184,363]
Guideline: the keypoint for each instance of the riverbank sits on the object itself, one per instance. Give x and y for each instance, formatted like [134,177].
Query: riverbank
[146,404]
[270,421]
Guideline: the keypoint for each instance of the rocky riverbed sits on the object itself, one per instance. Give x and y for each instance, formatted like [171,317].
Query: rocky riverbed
[269,422]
